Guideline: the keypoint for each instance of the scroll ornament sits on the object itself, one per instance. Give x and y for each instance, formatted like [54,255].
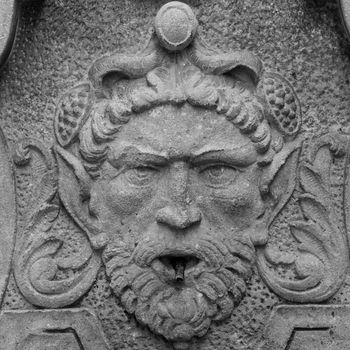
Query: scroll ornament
[322,258]
[44,273]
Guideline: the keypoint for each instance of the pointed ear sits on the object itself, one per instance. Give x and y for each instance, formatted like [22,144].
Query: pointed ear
[74,185]
[279,178]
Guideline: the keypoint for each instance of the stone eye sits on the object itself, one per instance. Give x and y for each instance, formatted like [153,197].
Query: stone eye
[141,176]
[218,175]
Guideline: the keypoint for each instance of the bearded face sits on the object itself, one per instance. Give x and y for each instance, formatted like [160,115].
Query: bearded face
[179,200]
[177,292]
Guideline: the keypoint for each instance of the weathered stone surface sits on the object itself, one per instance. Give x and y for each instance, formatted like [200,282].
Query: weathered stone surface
[179,192]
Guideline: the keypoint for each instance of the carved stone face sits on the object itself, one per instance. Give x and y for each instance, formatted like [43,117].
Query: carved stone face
[174,200]
[179,199]
[173,163]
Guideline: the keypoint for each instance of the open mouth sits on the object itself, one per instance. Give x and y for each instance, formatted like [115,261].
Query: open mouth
[177,265]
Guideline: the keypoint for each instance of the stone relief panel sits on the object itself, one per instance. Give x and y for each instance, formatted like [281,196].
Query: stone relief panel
[178,180]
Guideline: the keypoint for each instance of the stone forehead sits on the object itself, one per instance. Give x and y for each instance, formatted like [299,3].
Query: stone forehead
[166,128]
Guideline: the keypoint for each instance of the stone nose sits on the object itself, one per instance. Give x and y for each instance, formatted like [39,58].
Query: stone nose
[179,211]
[177,217]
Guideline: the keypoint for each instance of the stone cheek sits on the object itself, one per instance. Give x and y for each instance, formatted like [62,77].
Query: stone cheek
[171,198]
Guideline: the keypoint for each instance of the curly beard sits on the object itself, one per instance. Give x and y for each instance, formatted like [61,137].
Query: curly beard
[179,312]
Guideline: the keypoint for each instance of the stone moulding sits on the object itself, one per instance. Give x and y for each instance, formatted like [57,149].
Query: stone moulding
[344,7]
[51,329]
[287,320]
[9,17]
[7,213]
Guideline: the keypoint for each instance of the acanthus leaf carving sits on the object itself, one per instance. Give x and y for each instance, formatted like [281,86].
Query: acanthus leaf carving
[44,273]
[322,259]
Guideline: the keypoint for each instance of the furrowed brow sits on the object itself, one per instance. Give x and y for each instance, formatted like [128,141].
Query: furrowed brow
[239,157]
[132,156]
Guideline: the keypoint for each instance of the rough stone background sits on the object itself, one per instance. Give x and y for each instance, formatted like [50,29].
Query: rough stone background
[59,39]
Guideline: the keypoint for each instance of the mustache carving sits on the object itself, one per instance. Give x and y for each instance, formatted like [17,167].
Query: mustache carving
[179,311]
[212,250]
